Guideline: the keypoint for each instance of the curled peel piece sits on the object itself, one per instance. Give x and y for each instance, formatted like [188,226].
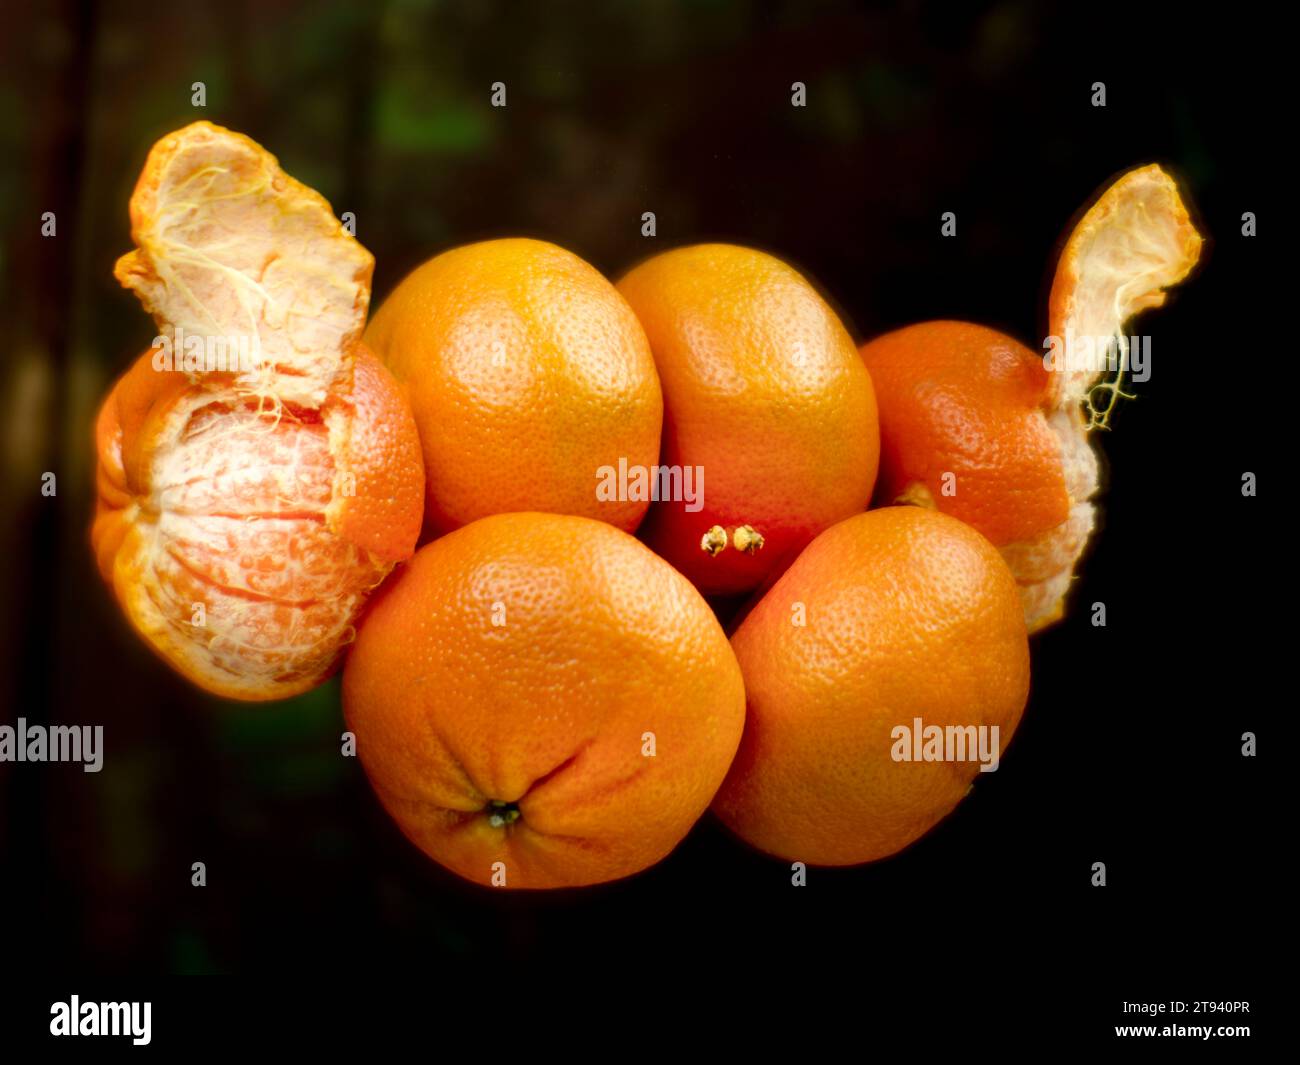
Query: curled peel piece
[244,516]
[1134,242]
[230,246]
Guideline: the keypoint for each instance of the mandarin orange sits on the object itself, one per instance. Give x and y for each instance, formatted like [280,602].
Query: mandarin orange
[888,618]
[765,396]
[530,378]
[979,426]
[541,701]
[259,471]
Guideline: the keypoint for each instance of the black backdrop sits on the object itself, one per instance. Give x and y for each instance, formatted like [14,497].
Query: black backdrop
[1129,752]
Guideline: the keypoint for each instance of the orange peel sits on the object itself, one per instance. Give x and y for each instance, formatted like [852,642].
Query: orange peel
[244,514]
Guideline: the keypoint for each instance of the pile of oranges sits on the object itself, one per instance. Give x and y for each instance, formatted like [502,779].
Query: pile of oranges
[542,694]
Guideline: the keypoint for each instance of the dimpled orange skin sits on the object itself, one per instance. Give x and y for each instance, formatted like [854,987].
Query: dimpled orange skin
[277,531]
[527,373]
[967,400]
[764,389]
[598,644]
[908,613]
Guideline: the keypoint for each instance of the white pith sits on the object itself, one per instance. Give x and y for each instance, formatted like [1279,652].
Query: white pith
[230,246]
[1134,243]
[1044,566]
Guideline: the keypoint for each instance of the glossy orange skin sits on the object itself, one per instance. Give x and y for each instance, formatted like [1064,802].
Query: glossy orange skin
[907,613]
[343,540]
[764,389]
[527,373]
[525,659]
[965,399]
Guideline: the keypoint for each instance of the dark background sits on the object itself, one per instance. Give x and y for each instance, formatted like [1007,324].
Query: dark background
[1129,752]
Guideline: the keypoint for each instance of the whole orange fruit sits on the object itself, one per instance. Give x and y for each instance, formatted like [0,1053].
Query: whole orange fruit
[981,427]
[897,619]
[530,379]
[765,400]
[259,472]
[541,701]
